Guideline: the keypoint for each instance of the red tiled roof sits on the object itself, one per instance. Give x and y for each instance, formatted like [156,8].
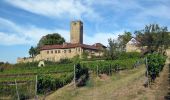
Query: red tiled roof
[99,45]
[68,45]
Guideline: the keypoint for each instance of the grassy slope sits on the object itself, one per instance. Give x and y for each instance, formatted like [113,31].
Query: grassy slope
[98,89]
[127,86]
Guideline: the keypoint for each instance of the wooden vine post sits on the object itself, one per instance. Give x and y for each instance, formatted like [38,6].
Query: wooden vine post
[17,89]
[147,72]
[97,70]
[36,97]
[74,75]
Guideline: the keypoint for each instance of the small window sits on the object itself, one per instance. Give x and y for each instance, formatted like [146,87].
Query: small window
[47,52]
[69,50]
[55,51]
[51,51]
[58,51]
[64,51]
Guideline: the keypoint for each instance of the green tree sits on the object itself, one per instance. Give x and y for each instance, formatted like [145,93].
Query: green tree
[154,37]
[85,55]
[51,39]
[124,39]
[32,51]
[113,49]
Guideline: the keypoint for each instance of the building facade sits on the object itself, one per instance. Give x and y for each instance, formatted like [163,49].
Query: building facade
[67,50]
[132,46]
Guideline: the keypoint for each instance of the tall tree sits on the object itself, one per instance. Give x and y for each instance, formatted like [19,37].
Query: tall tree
[153,37]
[32,51]
[51,39]
[124,39]
[113,49]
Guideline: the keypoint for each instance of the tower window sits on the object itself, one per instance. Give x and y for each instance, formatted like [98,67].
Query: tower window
[55,51]
[58,51]
[47,52]
[51,51]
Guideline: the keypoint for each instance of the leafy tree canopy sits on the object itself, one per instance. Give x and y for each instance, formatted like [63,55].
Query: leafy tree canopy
[113,49]
[153,36]
[33,51]
[51,39]
[124,39]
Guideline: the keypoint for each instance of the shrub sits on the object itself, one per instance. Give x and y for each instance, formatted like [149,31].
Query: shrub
[155,63]
[65,61]
[47,83]
[26,65]
[110,65]
[126,55]
[1,68]
[81,75]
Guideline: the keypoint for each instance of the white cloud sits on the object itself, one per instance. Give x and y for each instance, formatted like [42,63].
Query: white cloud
[24,35]
[160,11]
[12,39]
[56,8]
[102,37]
[31,35]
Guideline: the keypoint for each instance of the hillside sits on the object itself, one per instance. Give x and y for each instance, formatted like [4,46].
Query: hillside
[126,85]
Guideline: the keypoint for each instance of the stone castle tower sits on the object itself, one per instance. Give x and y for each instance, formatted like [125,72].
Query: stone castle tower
[76,32]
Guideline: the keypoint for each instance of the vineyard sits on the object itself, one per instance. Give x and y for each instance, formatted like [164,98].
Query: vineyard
[155,63]
[122,85]
[53,76]
[27,81]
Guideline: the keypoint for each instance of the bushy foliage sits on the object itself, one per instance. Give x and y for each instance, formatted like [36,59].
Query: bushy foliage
[51,39]
[76,59]
[65,61]
[154,37]
[126,55]
[26,91]
[124,39]
[26,65]
[110,65]
[81,75]
[85,55]
[61,61]
[5,66]
[155,63]
[47,83]
[1,68]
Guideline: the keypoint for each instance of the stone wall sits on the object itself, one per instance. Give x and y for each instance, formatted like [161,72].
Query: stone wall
[57,54]
[76,32]
[132,48]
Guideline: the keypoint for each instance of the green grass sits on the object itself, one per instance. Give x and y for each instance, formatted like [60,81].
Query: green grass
[34,69]
[60,70]
[98,89]
[28,78]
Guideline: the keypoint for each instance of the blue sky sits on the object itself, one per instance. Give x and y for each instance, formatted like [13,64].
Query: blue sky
[24,22]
